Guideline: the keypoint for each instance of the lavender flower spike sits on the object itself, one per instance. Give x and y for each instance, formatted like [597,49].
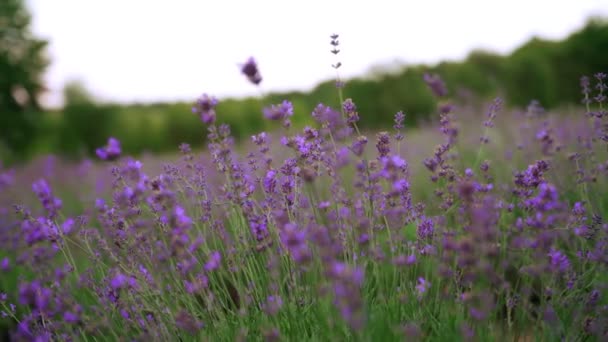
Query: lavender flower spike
[250,69]
[111,151]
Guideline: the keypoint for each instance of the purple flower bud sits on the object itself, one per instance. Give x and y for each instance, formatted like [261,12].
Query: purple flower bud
[214,261]
[250,69]
[111,151]
[50,203]
[422,286]
[279,112]
[5,264]
[273,305]
[70,317]
[559,262]
[67,226]
[205,108]
[436,84]
[118,282]
[426,229]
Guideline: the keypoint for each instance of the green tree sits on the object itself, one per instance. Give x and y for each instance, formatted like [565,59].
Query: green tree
[22,63]
[86,124]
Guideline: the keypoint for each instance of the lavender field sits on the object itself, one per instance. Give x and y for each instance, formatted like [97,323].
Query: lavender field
[483,225]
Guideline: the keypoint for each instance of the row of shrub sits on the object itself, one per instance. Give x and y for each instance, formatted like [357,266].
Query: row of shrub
[543,70]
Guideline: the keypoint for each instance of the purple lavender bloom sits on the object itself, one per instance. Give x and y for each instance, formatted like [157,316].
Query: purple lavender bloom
[601,87]
[111,151]
[546,200]
[270,181]
[426,229]
[399,119]
[492,111]
[358,146]
[187,322]
[205,108]
[324,205]
[578,209]
[436,84]
[559,262]
[295,240]
[273,305]
[422,286]
[431,164]
[5,264]
[71,317]
[279,112]
[533,176]
[67,226]
[182,221]
[6,178]
[42,189]
[259,227]
[326,115]
[214,261]
[50,203]
[118,282]
[250,69]
[349,106]
[402,260]
[585,89]
[401,185]
[383,144]
[351,111]
[347,281]
[260,139]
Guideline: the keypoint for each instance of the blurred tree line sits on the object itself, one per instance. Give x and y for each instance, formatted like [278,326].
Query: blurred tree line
[22,62]
[548,71]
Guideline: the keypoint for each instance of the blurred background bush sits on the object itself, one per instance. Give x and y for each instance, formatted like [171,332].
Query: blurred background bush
[547,71]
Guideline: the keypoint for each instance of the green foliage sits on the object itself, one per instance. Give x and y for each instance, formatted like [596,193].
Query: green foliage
[530,74]
[22,62]
[543,70]
[85,124]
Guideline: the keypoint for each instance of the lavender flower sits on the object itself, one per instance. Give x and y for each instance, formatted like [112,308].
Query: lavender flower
[214,261]
[279,112]
[436,84]
[50,203]
[426,229]
[111,151]
[422,287]
[351,111]
[251,71]
[205,108]
[559,262]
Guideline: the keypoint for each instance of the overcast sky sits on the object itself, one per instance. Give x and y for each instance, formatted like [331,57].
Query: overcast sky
[136,50]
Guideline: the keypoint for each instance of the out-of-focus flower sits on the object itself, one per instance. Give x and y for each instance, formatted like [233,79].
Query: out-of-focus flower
[250,69]
[50,203]
[422,286]
[185,321]
[5,264]
[111,151]
[426,229]
[214,261]
[279,112]
[559,261]
[273,305]
[436,84]
[205,108]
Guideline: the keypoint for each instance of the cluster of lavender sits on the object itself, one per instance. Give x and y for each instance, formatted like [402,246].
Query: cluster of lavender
[320,236]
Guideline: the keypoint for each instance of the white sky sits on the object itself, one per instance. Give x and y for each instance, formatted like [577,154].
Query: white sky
[136,50]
